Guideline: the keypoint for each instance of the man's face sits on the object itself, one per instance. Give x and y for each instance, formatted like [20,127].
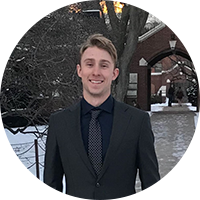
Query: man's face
[97,72]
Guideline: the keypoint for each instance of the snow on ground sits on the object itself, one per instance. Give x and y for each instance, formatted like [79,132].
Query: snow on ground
[196,118]
[21,159]
[160,106]
[20,138]
[197,124]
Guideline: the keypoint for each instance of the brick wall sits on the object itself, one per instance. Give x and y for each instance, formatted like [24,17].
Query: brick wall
[149,49]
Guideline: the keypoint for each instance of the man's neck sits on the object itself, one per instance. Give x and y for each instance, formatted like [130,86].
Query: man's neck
[95,100]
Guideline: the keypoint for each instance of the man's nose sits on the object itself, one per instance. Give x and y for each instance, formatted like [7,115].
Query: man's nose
[96,70]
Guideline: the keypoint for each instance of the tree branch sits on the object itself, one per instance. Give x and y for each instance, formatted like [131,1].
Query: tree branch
[123,30]
[114,21]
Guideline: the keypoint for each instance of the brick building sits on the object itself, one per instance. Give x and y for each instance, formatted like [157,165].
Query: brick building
[152,50]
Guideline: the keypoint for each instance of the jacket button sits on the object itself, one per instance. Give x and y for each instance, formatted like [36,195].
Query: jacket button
[98,185]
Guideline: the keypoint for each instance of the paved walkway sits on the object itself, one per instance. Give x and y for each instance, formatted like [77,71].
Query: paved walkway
[173,128]
[176,108]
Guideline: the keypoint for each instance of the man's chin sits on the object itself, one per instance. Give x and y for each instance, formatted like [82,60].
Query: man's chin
[96,94]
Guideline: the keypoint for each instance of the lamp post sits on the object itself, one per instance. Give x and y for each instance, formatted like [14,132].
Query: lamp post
[172,42]
[168,81]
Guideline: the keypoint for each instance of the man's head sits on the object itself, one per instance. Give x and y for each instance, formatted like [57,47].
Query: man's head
[101,42]
[97,67]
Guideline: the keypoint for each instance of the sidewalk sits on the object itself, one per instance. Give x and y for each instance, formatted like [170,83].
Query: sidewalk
[175,107]
[177,142]
[185,108]
[173,128]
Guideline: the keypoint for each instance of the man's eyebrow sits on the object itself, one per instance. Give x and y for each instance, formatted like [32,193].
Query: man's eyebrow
[105,61]
[88,59]
[92,59]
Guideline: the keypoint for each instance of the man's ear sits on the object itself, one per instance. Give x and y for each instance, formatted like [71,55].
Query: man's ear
[115,73]
[78,69]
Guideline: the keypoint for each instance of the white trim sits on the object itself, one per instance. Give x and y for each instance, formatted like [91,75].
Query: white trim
[151,32]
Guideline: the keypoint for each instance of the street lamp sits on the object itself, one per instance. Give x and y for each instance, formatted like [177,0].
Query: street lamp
[172,42]
[168,81]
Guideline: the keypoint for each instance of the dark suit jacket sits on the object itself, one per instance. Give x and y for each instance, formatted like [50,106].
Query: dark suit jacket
[131,148]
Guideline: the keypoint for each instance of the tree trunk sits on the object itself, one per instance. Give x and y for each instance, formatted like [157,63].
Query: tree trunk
[137,18]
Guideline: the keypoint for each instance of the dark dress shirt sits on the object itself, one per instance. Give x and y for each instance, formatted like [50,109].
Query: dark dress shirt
[105,119]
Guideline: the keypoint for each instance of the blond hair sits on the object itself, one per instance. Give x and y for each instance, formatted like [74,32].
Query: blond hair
[101,42]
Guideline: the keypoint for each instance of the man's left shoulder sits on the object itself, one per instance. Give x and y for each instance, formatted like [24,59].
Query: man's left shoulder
[130,109]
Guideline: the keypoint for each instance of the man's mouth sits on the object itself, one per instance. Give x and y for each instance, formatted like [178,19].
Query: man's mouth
[96,81]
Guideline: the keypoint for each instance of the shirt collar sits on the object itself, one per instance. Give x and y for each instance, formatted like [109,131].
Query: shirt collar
[107,105]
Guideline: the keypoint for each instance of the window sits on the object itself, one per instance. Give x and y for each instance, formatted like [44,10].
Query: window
[132,87]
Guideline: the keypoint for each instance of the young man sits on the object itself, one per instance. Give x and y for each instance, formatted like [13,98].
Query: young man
[100,144]
[170,95]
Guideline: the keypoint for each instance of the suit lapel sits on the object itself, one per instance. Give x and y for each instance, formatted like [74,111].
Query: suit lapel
[76,137]
[120,123]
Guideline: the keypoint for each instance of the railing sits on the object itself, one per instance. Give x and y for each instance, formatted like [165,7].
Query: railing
[26,170]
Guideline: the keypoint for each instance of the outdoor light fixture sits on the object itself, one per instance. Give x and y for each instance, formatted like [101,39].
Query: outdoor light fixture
[172,42]
[168,81]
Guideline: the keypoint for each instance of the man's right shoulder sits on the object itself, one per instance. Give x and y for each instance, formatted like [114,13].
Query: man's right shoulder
[59,113]
[65,111]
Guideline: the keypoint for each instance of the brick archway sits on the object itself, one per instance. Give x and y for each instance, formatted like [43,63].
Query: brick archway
[152,47]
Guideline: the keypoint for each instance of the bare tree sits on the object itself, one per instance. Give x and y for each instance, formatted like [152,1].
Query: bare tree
[40,76]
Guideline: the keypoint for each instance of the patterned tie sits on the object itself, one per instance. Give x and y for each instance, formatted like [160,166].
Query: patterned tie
[95,142]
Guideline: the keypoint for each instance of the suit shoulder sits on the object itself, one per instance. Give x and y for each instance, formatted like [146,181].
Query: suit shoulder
[59,113]
[65,111]
[131,109]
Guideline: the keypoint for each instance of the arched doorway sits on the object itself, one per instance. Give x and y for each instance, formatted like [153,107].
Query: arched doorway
[151,49]
[172,69]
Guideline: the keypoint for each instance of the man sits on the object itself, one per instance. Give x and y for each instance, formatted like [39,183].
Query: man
[100,155]
[170,95]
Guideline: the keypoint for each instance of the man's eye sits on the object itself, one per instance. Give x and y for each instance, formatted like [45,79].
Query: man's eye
[104,66]
[89,64]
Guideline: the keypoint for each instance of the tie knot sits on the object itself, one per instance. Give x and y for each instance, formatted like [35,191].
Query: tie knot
[95,113]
